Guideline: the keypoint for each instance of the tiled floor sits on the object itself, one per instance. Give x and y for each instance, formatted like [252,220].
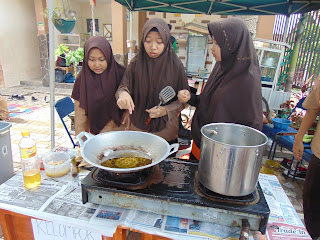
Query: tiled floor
[38,122]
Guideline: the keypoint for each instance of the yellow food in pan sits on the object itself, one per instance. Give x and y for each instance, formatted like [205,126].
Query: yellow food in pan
[126,162]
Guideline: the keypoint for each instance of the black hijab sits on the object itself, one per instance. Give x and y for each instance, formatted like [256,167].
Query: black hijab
[233,91]
[96,92]
[145,77]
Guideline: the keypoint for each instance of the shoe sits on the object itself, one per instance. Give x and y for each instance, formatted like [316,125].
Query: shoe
[299,175]
[285,164]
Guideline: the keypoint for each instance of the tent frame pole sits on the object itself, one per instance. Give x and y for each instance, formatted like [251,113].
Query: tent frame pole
[51,71]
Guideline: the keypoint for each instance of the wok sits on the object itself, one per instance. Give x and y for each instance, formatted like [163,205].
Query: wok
[124,143]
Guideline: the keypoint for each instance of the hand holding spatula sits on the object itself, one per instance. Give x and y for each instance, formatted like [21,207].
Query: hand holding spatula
[165,96]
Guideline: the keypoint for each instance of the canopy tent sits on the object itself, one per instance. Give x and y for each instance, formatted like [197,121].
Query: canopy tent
[223,7]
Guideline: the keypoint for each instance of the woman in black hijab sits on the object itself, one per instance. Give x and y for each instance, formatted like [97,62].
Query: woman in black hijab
[233,91]
[155,67]
[95,105]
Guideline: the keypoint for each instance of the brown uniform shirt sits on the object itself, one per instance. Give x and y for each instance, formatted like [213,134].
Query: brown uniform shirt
[313,102]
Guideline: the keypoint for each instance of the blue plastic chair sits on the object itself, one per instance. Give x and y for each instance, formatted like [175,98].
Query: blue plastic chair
[274,133]
[64,107]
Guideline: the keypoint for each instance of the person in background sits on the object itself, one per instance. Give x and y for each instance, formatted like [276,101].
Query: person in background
[184,135]
[96,110]
[4,112]
[311,188]
[173,40]
[233,91]
[154,67]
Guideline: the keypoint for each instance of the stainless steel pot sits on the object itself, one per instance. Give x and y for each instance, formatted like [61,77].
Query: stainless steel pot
[120,143]
[230,158]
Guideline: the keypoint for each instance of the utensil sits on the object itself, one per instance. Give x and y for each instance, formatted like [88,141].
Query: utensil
[75,166]
[133,142]
[230,161]
[165,96]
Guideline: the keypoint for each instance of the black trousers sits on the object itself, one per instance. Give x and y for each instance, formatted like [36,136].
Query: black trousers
[311,198]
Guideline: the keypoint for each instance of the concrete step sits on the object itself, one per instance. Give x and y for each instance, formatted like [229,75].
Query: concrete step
[38,82]
[32,82]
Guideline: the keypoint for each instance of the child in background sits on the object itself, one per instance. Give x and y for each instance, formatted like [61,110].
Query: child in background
[4,112]
[311,189]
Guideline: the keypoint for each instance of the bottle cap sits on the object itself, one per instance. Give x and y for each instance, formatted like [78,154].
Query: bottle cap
[25,133]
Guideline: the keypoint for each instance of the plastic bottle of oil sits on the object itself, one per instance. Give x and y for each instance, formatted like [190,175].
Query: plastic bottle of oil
[30,164]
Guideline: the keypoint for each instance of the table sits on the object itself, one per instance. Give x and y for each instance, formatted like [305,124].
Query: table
[58,201]
[17,226]
[16,221]
[201,83]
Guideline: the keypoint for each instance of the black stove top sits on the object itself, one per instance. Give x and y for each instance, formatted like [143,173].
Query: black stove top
[176,181]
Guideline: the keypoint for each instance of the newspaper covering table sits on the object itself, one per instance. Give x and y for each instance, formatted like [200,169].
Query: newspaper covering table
[59,200]
[284,222]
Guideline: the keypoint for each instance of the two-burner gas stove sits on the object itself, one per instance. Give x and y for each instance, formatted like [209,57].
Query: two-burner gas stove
[172,188]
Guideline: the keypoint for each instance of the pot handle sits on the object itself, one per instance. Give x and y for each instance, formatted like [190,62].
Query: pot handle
[173,148]
[83,134]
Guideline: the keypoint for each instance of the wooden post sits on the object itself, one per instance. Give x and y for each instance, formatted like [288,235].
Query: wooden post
[119,28]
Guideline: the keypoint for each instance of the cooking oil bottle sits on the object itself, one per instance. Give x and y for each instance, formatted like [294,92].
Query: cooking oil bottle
[30,164]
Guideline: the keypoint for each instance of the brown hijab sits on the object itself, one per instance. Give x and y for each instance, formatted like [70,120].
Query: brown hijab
[233,91]
[96,92]
[145,77]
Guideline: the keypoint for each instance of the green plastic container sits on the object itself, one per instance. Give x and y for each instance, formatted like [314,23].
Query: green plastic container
[6,164]
[66,26]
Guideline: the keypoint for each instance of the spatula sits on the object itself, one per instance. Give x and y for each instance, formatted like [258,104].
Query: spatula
[165,96]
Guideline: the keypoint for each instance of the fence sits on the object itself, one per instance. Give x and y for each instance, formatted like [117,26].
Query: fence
[308,64]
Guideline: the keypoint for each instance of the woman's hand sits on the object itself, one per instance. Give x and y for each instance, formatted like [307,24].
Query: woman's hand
[157,112]
[125,102]
[184,96]
[298,149]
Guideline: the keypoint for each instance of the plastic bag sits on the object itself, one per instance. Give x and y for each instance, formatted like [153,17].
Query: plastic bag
[59,75]
[69,78]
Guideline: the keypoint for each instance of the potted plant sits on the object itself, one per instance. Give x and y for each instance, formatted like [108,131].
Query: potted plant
[72,58]
[63,22]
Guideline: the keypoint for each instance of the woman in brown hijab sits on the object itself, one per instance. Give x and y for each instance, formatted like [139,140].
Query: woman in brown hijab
[233,91]
[95,105]
[155,67]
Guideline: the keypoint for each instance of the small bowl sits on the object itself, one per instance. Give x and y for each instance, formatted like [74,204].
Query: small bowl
[281,123]
[56,164]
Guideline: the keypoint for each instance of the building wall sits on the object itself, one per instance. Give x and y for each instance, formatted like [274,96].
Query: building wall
[102,12]
[19,45]
[179,20]
[265,27]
